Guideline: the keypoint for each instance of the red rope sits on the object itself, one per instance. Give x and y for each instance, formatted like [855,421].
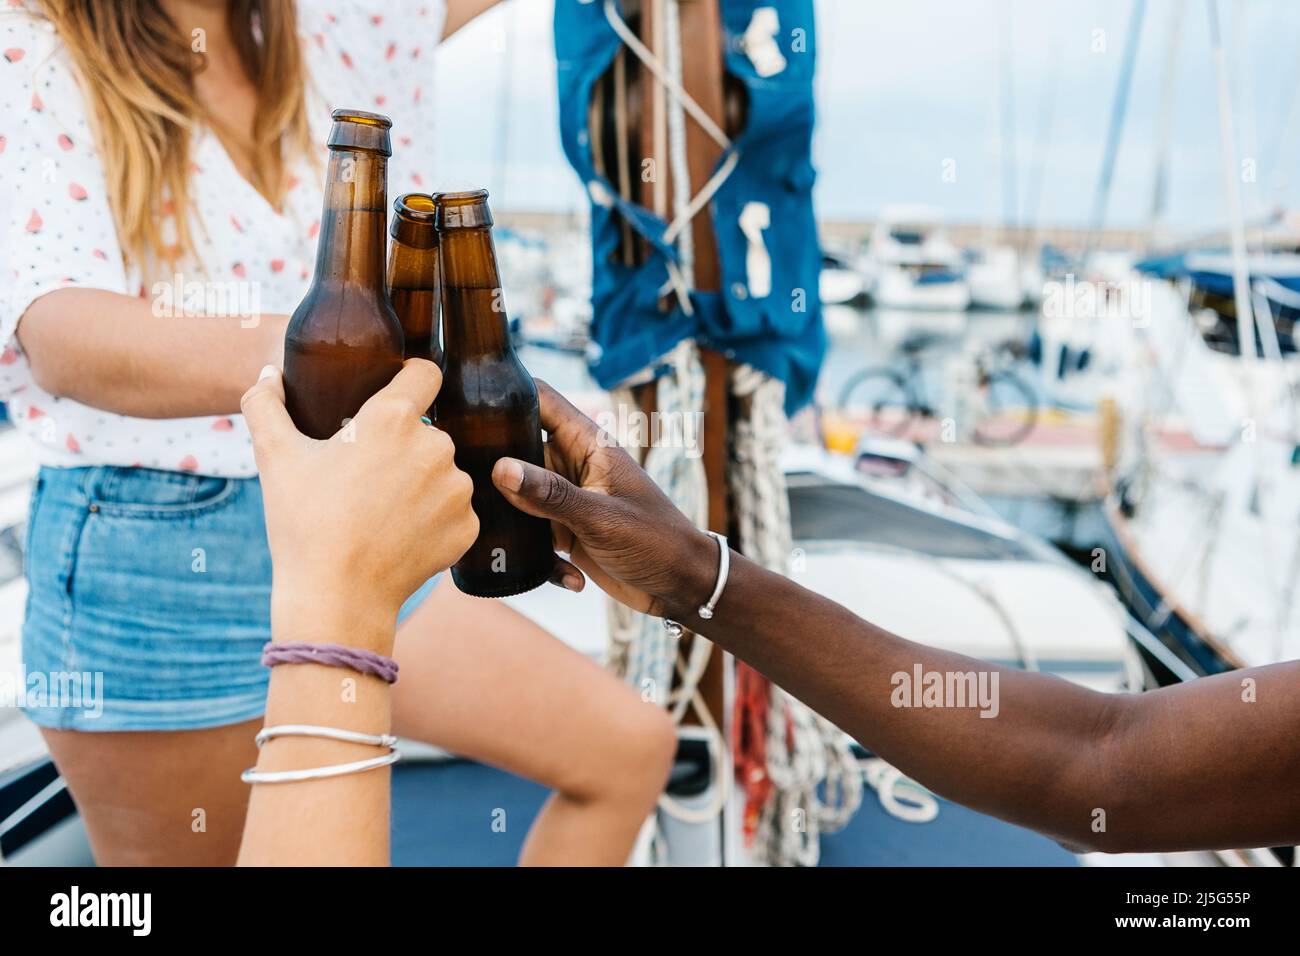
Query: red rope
[753,692]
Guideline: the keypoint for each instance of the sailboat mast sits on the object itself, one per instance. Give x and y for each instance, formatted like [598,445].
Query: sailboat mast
[701,51]
[1169,87]
[1007,130]
[1232,192]
[1119,109]
[702,46]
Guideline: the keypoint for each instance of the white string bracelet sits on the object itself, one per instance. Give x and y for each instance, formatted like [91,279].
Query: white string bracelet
[329,733]
[253,775]
[706,609]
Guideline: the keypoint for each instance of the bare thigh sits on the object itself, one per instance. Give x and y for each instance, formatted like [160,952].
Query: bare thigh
[159,798]
[481,680]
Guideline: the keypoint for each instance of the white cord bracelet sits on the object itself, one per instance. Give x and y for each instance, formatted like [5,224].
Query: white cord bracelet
[328,733]
[253,775]
[724,568]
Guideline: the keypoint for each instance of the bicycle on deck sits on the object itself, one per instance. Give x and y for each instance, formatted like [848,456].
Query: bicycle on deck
[1003,407]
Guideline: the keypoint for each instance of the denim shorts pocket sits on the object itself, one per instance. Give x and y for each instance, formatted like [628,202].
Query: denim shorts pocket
[146,493]
[32,504]
[161,583]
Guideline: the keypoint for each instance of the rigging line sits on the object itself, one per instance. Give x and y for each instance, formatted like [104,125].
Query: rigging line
[680,280]
[690,675]
[505,96]
[1046,118]
[1169,87]
[1236,226]
[679,93]
[683,214]
[985,593]
[1119,110]
[683,278]
[659,112]
[1007,116]
[702,198]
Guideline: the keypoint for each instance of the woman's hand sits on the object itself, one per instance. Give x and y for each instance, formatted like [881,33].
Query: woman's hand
[609,516]
[357,523]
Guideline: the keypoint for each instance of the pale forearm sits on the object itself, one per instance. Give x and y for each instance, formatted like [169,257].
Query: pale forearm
[110,351]
[343,821]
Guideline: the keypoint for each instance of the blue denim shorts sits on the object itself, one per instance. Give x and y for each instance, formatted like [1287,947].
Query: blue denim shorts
[150,591]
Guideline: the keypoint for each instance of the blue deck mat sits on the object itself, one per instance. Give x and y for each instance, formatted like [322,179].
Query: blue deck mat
[443,815]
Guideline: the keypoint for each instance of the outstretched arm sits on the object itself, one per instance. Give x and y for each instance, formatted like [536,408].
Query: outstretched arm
[355,525]
[1202,765]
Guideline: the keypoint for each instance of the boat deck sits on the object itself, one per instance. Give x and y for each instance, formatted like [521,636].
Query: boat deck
[443,815]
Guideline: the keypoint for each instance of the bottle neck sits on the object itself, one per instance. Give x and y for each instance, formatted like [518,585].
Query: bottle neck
[474,319]
[413,290]
[353,234]
[412,268]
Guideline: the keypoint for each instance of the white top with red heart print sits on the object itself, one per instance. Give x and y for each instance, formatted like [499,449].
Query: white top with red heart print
[58,228]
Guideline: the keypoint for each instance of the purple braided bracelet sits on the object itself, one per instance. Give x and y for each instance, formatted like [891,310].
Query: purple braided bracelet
[331,655]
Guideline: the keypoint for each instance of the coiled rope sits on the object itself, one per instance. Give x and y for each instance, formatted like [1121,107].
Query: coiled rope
[801,751]
[786,752]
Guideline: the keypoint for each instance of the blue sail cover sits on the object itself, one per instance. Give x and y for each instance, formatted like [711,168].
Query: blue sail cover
[775,327]
[1211,269]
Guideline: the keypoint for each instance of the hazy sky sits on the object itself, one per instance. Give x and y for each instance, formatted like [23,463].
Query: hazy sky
[906,84]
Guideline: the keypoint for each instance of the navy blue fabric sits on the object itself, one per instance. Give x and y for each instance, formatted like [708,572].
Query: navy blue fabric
[780,333]
[1217,282]
[460,814]
[466,814]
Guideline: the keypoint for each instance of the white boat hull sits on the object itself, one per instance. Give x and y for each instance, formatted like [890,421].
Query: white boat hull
[899,289]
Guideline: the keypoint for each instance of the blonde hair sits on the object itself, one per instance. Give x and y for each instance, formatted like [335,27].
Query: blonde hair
[137,73]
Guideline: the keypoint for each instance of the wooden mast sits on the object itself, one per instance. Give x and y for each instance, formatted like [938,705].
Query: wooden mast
[702,73]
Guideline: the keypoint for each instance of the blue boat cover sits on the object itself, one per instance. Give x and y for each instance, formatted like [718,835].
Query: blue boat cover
[1217,281]
[777,329]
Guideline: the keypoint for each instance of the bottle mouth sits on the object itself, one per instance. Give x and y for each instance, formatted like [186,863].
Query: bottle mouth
[357,129]
[361,116]
[415,220]
[417,207]
[463,210]
[463,198]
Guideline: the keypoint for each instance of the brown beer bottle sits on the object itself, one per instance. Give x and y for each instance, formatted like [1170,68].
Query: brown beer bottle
[344,343]
[413,274]
[488,403]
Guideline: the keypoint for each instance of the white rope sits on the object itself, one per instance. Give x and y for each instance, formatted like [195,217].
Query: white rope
[795,816]
[899,795]
[670,81]
[688,691]
[641,650]
[702,198]
[681,279]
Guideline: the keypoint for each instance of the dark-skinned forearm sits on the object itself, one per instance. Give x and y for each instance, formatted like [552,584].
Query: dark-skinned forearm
[1054,755]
